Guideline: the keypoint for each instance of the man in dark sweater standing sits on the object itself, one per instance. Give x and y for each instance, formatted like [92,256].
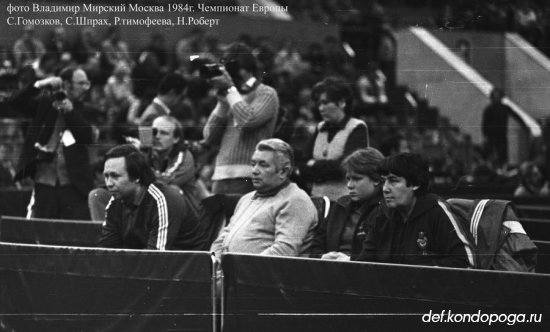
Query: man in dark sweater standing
[495,127]
[55,152]
[143,214]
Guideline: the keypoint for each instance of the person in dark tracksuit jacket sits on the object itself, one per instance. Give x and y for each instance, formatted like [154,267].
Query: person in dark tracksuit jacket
[340,236]
[143,214]
[414,229]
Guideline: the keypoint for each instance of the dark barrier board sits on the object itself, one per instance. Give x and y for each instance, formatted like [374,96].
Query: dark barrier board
[48,288]
[13,202]
[536,229]
[285,294]
[80,233]
[543,256]
[540,212]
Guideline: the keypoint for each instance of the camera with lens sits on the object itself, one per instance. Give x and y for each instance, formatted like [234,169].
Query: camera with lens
[59,95]
[209,70]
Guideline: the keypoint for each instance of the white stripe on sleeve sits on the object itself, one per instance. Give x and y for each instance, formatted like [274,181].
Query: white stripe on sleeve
[162,207]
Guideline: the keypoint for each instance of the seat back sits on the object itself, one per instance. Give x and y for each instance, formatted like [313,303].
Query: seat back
[217,211]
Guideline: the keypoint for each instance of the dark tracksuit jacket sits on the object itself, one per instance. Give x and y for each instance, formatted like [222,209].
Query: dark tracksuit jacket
[159,218]
[328,234]
[394,241]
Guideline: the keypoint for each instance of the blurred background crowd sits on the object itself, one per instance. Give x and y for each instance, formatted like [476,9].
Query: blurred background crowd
[124,80]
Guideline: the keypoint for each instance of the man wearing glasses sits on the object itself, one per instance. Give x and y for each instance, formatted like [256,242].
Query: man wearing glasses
[55,151]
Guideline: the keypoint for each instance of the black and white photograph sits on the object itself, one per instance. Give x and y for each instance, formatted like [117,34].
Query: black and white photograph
[274,165]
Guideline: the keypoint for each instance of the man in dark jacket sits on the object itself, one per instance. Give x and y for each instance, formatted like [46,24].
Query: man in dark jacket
[494,127]
[55,152]
[143,214]
[415,229]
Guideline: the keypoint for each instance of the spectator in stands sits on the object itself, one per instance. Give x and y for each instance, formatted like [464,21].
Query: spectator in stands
[533,183]
[246,113]
[119,98]
[7,66]
[151,66]
[7,171]
[278,218]
[170,92]
[316,60]
[386,53]
[28,49]
[495,127]
[415,229]
[527,22]
[288,59]
[113,50]
[144,214]
[339,62]
[58,45]
[55,151]
[337,136]
[87,52]
[171,160]
[371,89]
[340,236]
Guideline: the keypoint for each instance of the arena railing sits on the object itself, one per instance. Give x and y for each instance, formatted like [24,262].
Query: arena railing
[57,288]
[60,288]
[298,294]
[83,233]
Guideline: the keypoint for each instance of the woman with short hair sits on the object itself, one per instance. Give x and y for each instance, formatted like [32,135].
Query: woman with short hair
[340,235]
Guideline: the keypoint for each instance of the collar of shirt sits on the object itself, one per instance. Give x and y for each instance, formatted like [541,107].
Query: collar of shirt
[271,192]
[334,127]
[159,102]
[361,207]
[138,198]
[249,85]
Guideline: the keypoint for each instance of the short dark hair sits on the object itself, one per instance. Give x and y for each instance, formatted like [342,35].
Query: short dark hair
[171,81]
[136,164]
[242,54]
[336,90]
[279,147]
[365,162]
[411,166]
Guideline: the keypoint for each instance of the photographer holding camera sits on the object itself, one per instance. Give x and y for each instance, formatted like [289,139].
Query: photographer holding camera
[245,114]
[55,151]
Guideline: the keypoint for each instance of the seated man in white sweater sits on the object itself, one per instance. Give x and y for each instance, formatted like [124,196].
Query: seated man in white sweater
[278,218]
